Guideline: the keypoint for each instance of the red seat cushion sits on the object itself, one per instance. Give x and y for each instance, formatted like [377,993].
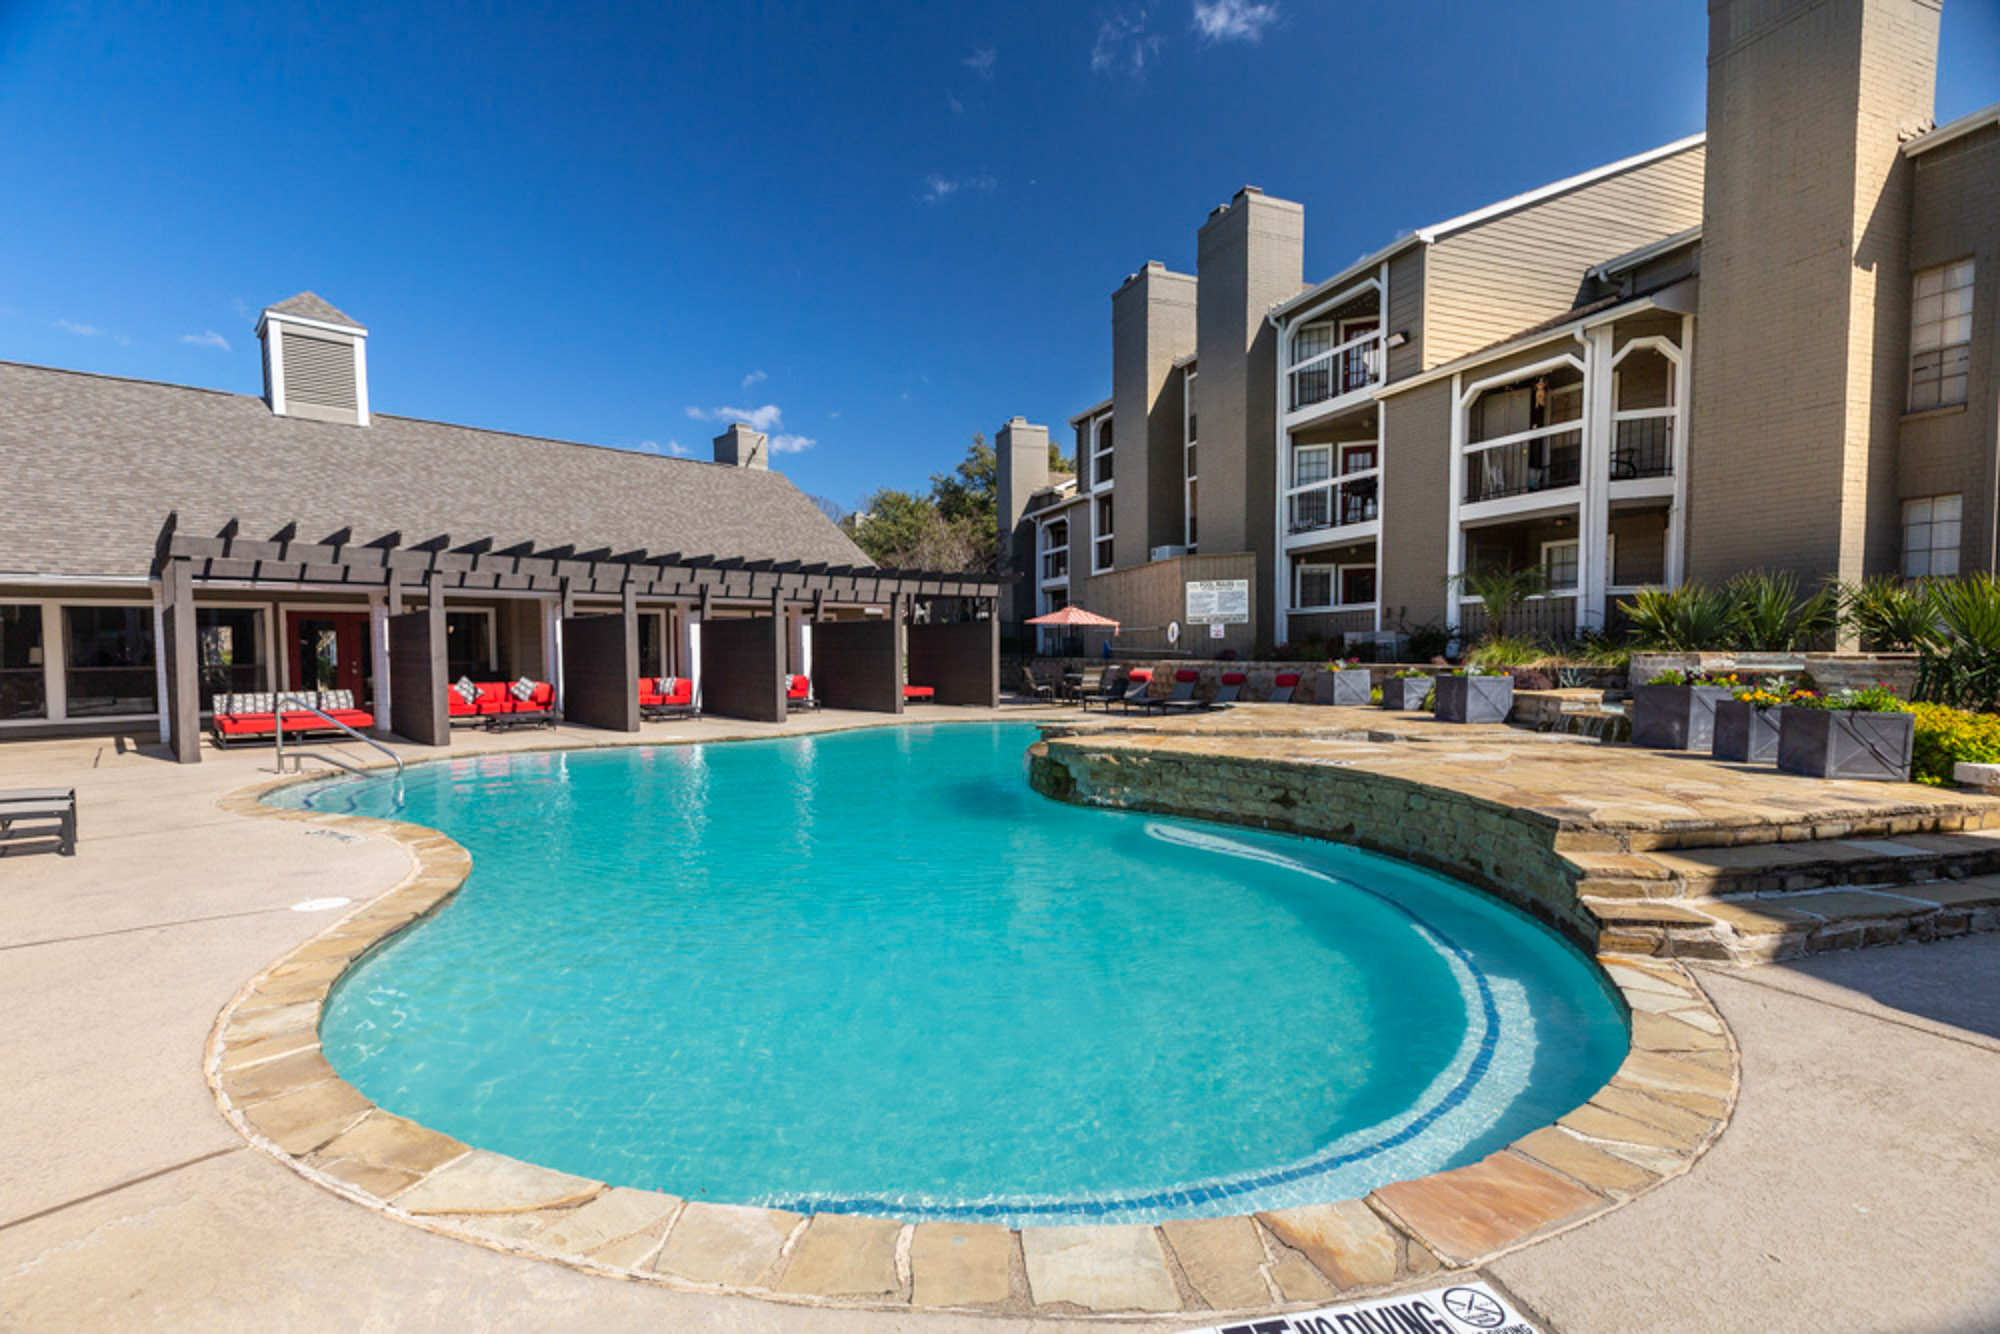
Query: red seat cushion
[542,699]
[461,709]
[354,718]
[1287,679]
[918,692]
[798,687]
[240,724]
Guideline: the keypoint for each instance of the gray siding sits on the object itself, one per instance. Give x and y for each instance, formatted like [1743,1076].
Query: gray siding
[1956,214]
[1510,272]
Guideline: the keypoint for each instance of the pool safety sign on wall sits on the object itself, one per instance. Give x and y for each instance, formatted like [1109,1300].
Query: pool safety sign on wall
[1465,1308]
[1218,601]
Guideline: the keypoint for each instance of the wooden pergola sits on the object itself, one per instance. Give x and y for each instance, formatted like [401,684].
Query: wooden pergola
[599,655]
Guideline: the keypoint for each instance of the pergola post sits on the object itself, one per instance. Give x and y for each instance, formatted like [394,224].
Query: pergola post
[183,661]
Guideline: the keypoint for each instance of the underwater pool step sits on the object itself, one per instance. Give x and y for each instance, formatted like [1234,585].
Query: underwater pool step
[1778,868]
[1771,927]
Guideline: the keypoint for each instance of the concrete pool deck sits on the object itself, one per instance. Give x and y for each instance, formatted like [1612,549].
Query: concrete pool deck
[127,1199]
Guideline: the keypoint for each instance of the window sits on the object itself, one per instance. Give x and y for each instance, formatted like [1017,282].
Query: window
[1311,464]
[1055,549]
[1559,563]
[1314,586]
[1940,336]
[24,689]
[1101,551]
[1930,536]
[1357,585]
[109,669]
[468,643]
[1100,454]
[231,640]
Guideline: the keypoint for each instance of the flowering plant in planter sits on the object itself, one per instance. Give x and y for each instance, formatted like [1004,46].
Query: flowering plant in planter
[1865,733]
[1474,695]
[1407,673]
[1351,684]
[1476,669]
[1407,690]
[1746,724]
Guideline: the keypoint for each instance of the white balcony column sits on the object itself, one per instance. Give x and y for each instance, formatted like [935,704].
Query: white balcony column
[1454,549]
[159,662]
[1594,513]
[1676,561]
[1381,459]
[378,648]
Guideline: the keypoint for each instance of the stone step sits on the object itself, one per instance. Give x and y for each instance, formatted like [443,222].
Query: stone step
[1769,927]
[1779,868]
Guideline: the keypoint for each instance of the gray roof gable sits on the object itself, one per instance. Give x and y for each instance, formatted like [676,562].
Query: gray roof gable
[312,306]
[94,464]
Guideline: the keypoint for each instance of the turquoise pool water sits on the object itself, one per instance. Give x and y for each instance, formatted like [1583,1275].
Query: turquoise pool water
[875,972]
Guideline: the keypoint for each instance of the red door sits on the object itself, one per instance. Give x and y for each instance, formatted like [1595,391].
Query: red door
[329,651]
[1354,362]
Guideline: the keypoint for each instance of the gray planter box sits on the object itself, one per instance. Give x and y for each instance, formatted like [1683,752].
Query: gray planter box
[1405,693]
[1348,687]
[1840,743]
[1474,699]
[1745,733]
[1675,717]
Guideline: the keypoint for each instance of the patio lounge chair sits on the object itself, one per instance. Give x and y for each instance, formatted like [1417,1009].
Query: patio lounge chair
[666,697]
[36,813]
[799,693]
[1034,689]
[1105,689]
[1089,682]
[1230,691]
[1138,686]
[1182,699]
[1281,689]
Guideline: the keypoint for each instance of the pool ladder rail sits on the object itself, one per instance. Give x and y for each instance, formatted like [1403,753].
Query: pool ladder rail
[323,716]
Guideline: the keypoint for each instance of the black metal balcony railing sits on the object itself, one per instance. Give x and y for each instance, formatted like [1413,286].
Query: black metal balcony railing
[1335,504]
[1353,365]
[1543,463]
[1644,447]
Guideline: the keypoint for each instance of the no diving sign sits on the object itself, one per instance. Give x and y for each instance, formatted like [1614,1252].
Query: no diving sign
[1468,1308]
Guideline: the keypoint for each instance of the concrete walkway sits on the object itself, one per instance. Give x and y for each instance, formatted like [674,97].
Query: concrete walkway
[1859,1186]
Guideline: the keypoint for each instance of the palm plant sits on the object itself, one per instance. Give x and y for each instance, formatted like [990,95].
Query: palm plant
[1767,613]
[1687,619]
[1959,664]
[1890,615]
[1501,590]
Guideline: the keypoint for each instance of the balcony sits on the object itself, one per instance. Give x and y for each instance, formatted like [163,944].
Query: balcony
[1338,371]
[1540,460]
[1055,564]
[1643,446]
[1335,504]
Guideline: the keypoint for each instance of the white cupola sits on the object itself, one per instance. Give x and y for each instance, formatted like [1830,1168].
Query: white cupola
[315,361]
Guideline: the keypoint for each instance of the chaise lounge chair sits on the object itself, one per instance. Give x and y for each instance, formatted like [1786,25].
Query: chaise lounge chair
[1281,689]
[1230,691]
[1138,687]
[1182,699]
[256,714]
[1033,689]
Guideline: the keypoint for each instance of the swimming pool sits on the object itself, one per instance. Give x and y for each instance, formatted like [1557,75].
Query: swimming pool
[873,972]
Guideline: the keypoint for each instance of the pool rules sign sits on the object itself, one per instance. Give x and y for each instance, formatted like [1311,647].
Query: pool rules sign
[1217,602]
[1467,1308]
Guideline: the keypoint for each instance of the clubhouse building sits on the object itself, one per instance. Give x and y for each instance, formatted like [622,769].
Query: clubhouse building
[163,546]
[1771,345]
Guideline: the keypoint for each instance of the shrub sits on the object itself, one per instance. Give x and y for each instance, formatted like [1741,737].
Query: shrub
[1501,591]
[1960,664]
[1947,737]
[1768,614]
[1890,616]
[1532,678]
[1688,619]
[1595,649]
[1428,640]
[1511,651]
[1868,699]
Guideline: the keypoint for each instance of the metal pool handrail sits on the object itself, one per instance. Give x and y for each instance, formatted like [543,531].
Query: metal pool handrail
[330,720]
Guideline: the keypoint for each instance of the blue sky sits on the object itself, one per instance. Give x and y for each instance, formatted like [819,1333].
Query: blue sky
[875,229]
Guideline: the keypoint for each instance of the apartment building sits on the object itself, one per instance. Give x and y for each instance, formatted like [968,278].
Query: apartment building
[1766,345]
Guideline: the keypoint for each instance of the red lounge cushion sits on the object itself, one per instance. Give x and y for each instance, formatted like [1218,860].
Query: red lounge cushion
[1139,674]
[1187,674]
[1287,679]
[460,709]
[352,717]
[683,692]
[540,700]
[1233,678]
[245,723]
[918,692]
[798,687]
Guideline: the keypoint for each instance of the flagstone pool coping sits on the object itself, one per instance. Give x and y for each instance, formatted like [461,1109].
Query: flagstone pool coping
[1663,1108]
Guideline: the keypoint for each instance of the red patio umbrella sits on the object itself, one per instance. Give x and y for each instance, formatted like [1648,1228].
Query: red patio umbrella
[1073,615]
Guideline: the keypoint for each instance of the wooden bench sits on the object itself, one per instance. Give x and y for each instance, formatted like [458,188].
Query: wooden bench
[35,813]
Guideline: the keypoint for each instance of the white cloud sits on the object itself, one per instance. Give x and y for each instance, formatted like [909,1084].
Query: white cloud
[759,419]
[981,61]
[1125,43]
[1234,20]
[206,338]
[754,378]
[937,189]
[673,447]
[81,330]
[791,444]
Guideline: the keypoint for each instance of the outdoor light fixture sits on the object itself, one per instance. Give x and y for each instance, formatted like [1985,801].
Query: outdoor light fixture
[1397,339]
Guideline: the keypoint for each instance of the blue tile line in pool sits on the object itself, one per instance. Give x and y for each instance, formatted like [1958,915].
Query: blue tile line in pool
[1194,1193]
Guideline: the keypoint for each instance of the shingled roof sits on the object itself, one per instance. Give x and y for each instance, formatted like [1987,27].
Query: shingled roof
[94,464]
[312,306]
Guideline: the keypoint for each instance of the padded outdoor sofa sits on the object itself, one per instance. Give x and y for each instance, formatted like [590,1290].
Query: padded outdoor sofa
[255,715]
[498,704]
[799,693]
[666,697]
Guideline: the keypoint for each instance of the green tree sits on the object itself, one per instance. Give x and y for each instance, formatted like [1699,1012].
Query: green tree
[955,527]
